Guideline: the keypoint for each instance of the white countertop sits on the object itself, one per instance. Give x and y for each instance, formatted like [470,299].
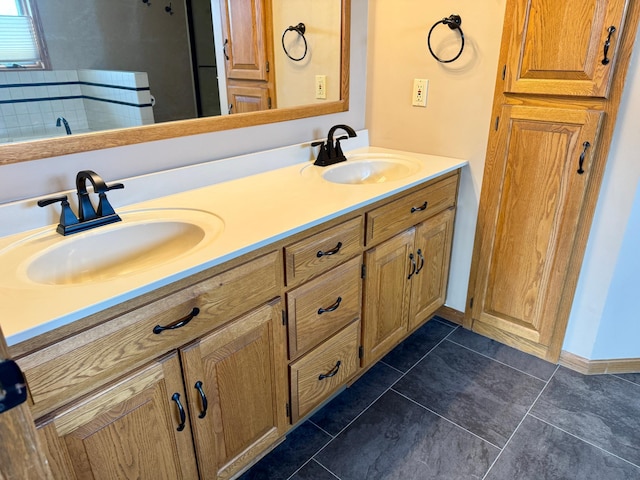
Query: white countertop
[256,210]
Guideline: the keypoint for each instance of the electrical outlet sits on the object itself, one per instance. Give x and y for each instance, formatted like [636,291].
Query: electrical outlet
[420,87]
[321,87]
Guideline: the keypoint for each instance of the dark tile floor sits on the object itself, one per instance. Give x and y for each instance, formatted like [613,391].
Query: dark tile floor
[449,404]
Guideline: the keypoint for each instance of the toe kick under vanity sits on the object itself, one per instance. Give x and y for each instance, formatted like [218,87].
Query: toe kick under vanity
[198,375]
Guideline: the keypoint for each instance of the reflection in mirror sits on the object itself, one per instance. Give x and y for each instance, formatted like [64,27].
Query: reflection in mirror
[140,64]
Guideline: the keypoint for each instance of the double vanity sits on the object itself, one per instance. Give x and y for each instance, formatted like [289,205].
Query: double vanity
[189,337]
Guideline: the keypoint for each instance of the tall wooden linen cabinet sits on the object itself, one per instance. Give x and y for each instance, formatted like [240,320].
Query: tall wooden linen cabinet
[560,78]
[248,51]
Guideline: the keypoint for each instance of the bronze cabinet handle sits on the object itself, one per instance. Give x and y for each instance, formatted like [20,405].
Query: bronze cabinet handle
[203,397]
[179,323]
[183,416]
[331,372]
[334,250]
[332,308]
[422,208]
[421,261]
[607,44]
[585,146]
[413,266]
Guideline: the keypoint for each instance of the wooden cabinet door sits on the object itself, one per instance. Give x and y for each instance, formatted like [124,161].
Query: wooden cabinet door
[558,47]
[245,39]
[247,97]
[529,211]
[386,295]
[129,430]
[242,370]
[433,249]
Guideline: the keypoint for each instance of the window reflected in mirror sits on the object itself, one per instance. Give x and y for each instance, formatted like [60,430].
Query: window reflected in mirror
[81,66]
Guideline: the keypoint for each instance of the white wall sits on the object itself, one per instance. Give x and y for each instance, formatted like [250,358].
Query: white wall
[456,120]
[42,177]
[603,322]
[295,81]
[604,318]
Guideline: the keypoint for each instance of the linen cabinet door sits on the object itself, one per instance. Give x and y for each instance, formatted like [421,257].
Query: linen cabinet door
[236,381]
[560,47]
[386,295]
[433,251]
[529,212]
[135,429]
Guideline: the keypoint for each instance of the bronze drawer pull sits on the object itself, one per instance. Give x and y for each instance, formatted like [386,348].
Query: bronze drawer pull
[336,249]
[413,266]
[180,323]
[607,44]
[332,308]
[331,373]
[586,146]
[419,209]
[183,416]
[203,397]
[421,262]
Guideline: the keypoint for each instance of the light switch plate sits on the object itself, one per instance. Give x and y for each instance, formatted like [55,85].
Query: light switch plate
[321,87]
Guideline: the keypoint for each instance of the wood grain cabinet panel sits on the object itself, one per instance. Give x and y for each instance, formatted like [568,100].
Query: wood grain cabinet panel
[384,222]
[322,251]
[527,227]
[433,245]
[130,430]
[75,366]
[323,370]
[405,283]
[554,113]
[323,306]
[558,48]
[241,372]
[386,295]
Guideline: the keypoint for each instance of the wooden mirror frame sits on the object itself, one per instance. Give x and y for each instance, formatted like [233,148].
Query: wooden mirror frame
[53,147]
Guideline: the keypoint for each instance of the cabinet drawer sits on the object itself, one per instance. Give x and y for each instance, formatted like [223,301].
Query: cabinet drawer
[323,370]
[392,218]
[75,366]
[322,251]
[323,306]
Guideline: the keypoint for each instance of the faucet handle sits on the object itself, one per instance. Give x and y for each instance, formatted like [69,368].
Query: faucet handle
[322,158]
[67,217]
[103,188]
[338,149]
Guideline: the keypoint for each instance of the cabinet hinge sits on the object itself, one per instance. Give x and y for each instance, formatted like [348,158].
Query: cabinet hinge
[288,408]
[360,352]
[363,271]
[269,102]
[284,317]
[504,72]
[471,302]
[267,66]
[497,123]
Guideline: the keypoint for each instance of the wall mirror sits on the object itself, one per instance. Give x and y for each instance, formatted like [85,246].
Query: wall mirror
[197,65]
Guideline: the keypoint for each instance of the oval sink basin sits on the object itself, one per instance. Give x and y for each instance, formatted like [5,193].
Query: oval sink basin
[367,168]
[142,241]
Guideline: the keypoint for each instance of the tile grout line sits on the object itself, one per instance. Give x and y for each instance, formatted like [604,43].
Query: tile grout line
[424,356]
[307,463]
[498,361]
[519,424]
[313,457]
[391,367]
[445,418]
[320,428]
[583,440]
[617,375]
